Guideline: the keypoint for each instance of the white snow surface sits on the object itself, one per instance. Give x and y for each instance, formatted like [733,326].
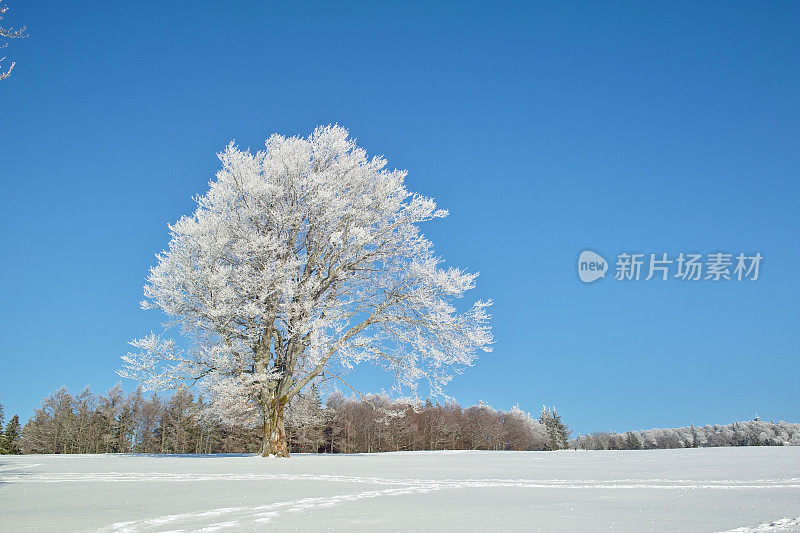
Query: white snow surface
[705,489]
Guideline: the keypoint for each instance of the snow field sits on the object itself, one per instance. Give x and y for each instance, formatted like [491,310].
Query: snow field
[706,489]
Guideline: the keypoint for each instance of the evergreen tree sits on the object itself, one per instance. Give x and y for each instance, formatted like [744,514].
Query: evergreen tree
[632,442]
[11,436]
[557,431]
[306,422]
[547,421]
[544,419]
[695,438]
[560,429]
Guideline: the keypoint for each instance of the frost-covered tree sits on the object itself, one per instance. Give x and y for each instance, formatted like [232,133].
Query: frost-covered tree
[301,260]
[632,441]
[749,433]
[2,425]
[525,432]
[305,418]
[557,431]
[7,32]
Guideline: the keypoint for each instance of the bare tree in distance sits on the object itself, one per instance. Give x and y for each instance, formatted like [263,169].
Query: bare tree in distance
[301,261]
[8,33]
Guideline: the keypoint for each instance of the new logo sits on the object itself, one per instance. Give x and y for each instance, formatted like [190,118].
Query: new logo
[591,266]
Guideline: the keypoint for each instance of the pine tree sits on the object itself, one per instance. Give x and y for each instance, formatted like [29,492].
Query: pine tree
[315,436]
[560,429]
[632,442]
[695,438]
[11,436]
[306,421]
[546,419]
[557,431]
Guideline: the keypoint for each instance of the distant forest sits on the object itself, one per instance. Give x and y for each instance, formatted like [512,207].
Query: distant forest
[116,422]
[750,433]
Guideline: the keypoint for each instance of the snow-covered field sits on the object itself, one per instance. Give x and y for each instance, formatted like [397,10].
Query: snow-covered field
[706,489]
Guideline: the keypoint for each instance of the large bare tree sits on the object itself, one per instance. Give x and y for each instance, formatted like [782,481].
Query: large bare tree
[300,261]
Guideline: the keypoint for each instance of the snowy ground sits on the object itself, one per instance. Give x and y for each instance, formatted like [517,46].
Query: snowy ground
[712,489]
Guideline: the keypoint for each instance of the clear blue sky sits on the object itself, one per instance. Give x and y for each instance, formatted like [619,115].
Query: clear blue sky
[545,129]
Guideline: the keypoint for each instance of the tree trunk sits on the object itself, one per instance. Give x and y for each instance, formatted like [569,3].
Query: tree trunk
[274,436]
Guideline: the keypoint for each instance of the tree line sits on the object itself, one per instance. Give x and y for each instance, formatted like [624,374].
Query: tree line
[755,432]
[116,422]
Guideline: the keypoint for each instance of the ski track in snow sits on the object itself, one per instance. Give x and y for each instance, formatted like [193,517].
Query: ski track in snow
[253,516]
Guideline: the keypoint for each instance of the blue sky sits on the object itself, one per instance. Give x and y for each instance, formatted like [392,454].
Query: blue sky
[544,129]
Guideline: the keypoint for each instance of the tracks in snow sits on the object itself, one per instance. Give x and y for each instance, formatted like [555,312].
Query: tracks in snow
[249,517]
[116,477]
